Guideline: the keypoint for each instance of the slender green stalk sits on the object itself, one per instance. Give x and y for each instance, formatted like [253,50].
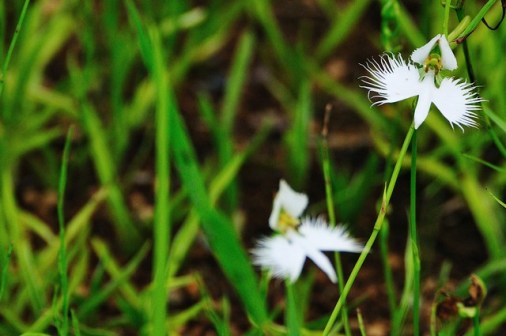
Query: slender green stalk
[477,19]
[361,325]
[446,17]
[414,241]
[331,212]
[62,255]
[470,73]
[387,269]
[11,47]
[476,323]
[377,227]
[292,318]
[162,216]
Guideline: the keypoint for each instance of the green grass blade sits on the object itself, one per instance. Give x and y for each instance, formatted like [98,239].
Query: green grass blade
[62,255]
[188,231]
[161,232]
[102,158]
[341,28]
[236,79]
[298,135]
[7,59]
[218,229]
[93,303]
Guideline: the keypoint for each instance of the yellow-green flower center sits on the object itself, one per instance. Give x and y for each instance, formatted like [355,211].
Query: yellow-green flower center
[433,62]
[287,222]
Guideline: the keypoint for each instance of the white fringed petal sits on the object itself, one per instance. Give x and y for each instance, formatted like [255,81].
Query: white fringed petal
[392,79]
[457,99]
[326,238]
[288,200]
[420,55]
[282,257]
[447,55]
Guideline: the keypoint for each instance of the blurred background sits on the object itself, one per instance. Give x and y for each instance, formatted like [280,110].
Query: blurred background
[251,81]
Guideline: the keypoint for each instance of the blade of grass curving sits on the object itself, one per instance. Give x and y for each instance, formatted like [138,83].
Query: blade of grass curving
[102,158]
[8,56]
[330,208]
[114,270]
[235,85]
[298,135]
[341,28]
[75,324]
[93,302]
[188,231]
[485,163]
[161,230]
[263,11]
[62,255]
[387,194]
[218,229]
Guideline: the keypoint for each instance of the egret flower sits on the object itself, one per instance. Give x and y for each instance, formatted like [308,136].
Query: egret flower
[284,253]
[393,79]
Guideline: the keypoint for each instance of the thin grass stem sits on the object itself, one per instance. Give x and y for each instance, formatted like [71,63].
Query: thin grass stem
[331,212]
[62,254]
[161,230]
[387,194]
[446,17]
[11,48]
[292,319]
[414,240]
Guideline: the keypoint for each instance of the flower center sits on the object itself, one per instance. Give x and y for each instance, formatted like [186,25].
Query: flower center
[434,63]
[286,222]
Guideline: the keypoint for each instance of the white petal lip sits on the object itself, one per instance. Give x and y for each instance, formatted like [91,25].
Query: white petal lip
[420,55]
[427,89]
[292,202]
[447,55]
[392,79]
[456,100]
[284,255]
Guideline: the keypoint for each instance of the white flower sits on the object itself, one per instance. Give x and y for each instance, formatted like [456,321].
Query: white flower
[393,79]
[284,254]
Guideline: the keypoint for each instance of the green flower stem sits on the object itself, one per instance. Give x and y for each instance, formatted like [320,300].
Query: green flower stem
[377,227]
[477,19]
[470,73]
[446,17]
[414,241]
[331,212]
[291,315]
[387,270]
[476,323]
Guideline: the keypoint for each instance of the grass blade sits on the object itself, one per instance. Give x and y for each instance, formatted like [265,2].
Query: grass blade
[218,228]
